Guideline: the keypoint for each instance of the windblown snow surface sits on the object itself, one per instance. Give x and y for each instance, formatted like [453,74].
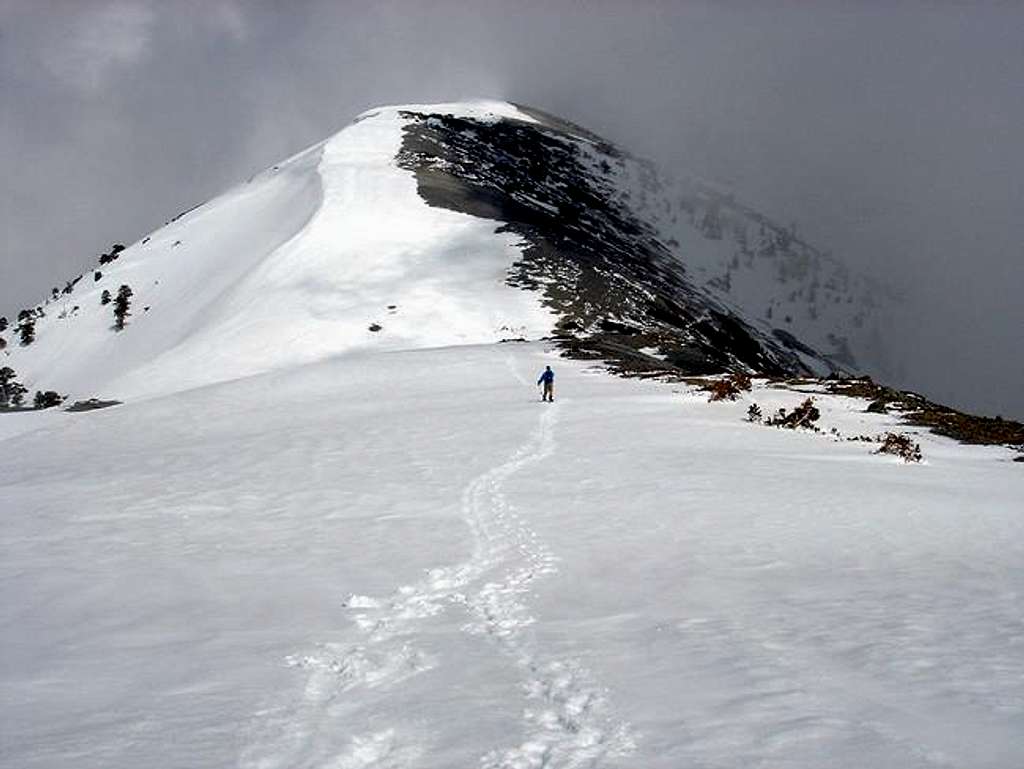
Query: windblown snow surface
[404,559]
[291,267]
[305,543]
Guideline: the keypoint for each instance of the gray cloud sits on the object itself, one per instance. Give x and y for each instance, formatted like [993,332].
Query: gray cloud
[888,132]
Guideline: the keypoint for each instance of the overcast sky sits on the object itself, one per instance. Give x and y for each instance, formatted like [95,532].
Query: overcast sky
[890,132]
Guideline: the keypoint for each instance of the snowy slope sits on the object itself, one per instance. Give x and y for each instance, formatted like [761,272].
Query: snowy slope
[752,262]
[403,559]
[576,193]
[428,225]
[333,527]
[294,266]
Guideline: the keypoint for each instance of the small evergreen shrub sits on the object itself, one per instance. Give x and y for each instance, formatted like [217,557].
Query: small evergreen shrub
[121,306]
[754,413]
[18,391]
[105,297]
[115,251]
[48,399]
[27,332]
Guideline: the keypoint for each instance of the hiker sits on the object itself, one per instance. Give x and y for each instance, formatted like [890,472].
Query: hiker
[548,378]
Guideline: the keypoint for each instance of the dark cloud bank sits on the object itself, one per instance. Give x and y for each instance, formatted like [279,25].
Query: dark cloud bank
[889,132]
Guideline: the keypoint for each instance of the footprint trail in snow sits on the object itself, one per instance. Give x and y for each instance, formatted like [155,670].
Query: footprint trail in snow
[567,719]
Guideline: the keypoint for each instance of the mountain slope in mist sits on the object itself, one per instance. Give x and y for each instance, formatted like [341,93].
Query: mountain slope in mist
[425,226]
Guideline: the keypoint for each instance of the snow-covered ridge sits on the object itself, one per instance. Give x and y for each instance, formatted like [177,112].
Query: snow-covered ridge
[434,225]
[761,268]
[329,252]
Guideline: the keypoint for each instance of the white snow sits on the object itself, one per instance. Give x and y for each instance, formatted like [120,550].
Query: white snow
[293,267]
[303,543]
[481,110]
[404,559]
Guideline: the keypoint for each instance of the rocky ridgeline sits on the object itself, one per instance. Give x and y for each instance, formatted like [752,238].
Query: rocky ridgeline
[618,291]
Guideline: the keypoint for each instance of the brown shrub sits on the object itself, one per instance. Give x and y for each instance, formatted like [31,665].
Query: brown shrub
[803,416]
[728,388]
[900,445]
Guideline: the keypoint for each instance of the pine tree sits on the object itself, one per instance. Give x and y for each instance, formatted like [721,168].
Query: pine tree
[48,399]
[27,327]
[121,305]
[6,379]
[12,392]
[27,332]
[115,251]
[18,391]
[105,297]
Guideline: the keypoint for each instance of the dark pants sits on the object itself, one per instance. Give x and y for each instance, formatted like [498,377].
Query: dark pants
[549,392]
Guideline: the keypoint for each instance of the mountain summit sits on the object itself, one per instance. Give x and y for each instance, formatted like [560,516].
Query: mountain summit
[434,225]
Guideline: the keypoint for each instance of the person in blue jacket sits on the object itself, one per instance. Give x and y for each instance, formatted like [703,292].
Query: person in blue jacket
[547,378]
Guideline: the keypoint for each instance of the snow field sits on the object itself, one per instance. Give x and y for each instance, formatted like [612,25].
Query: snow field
[406,560]
[294,266]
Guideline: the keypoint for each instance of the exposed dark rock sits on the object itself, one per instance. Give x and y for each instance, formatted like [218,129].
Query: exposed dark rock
[608,278]
[92,404]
